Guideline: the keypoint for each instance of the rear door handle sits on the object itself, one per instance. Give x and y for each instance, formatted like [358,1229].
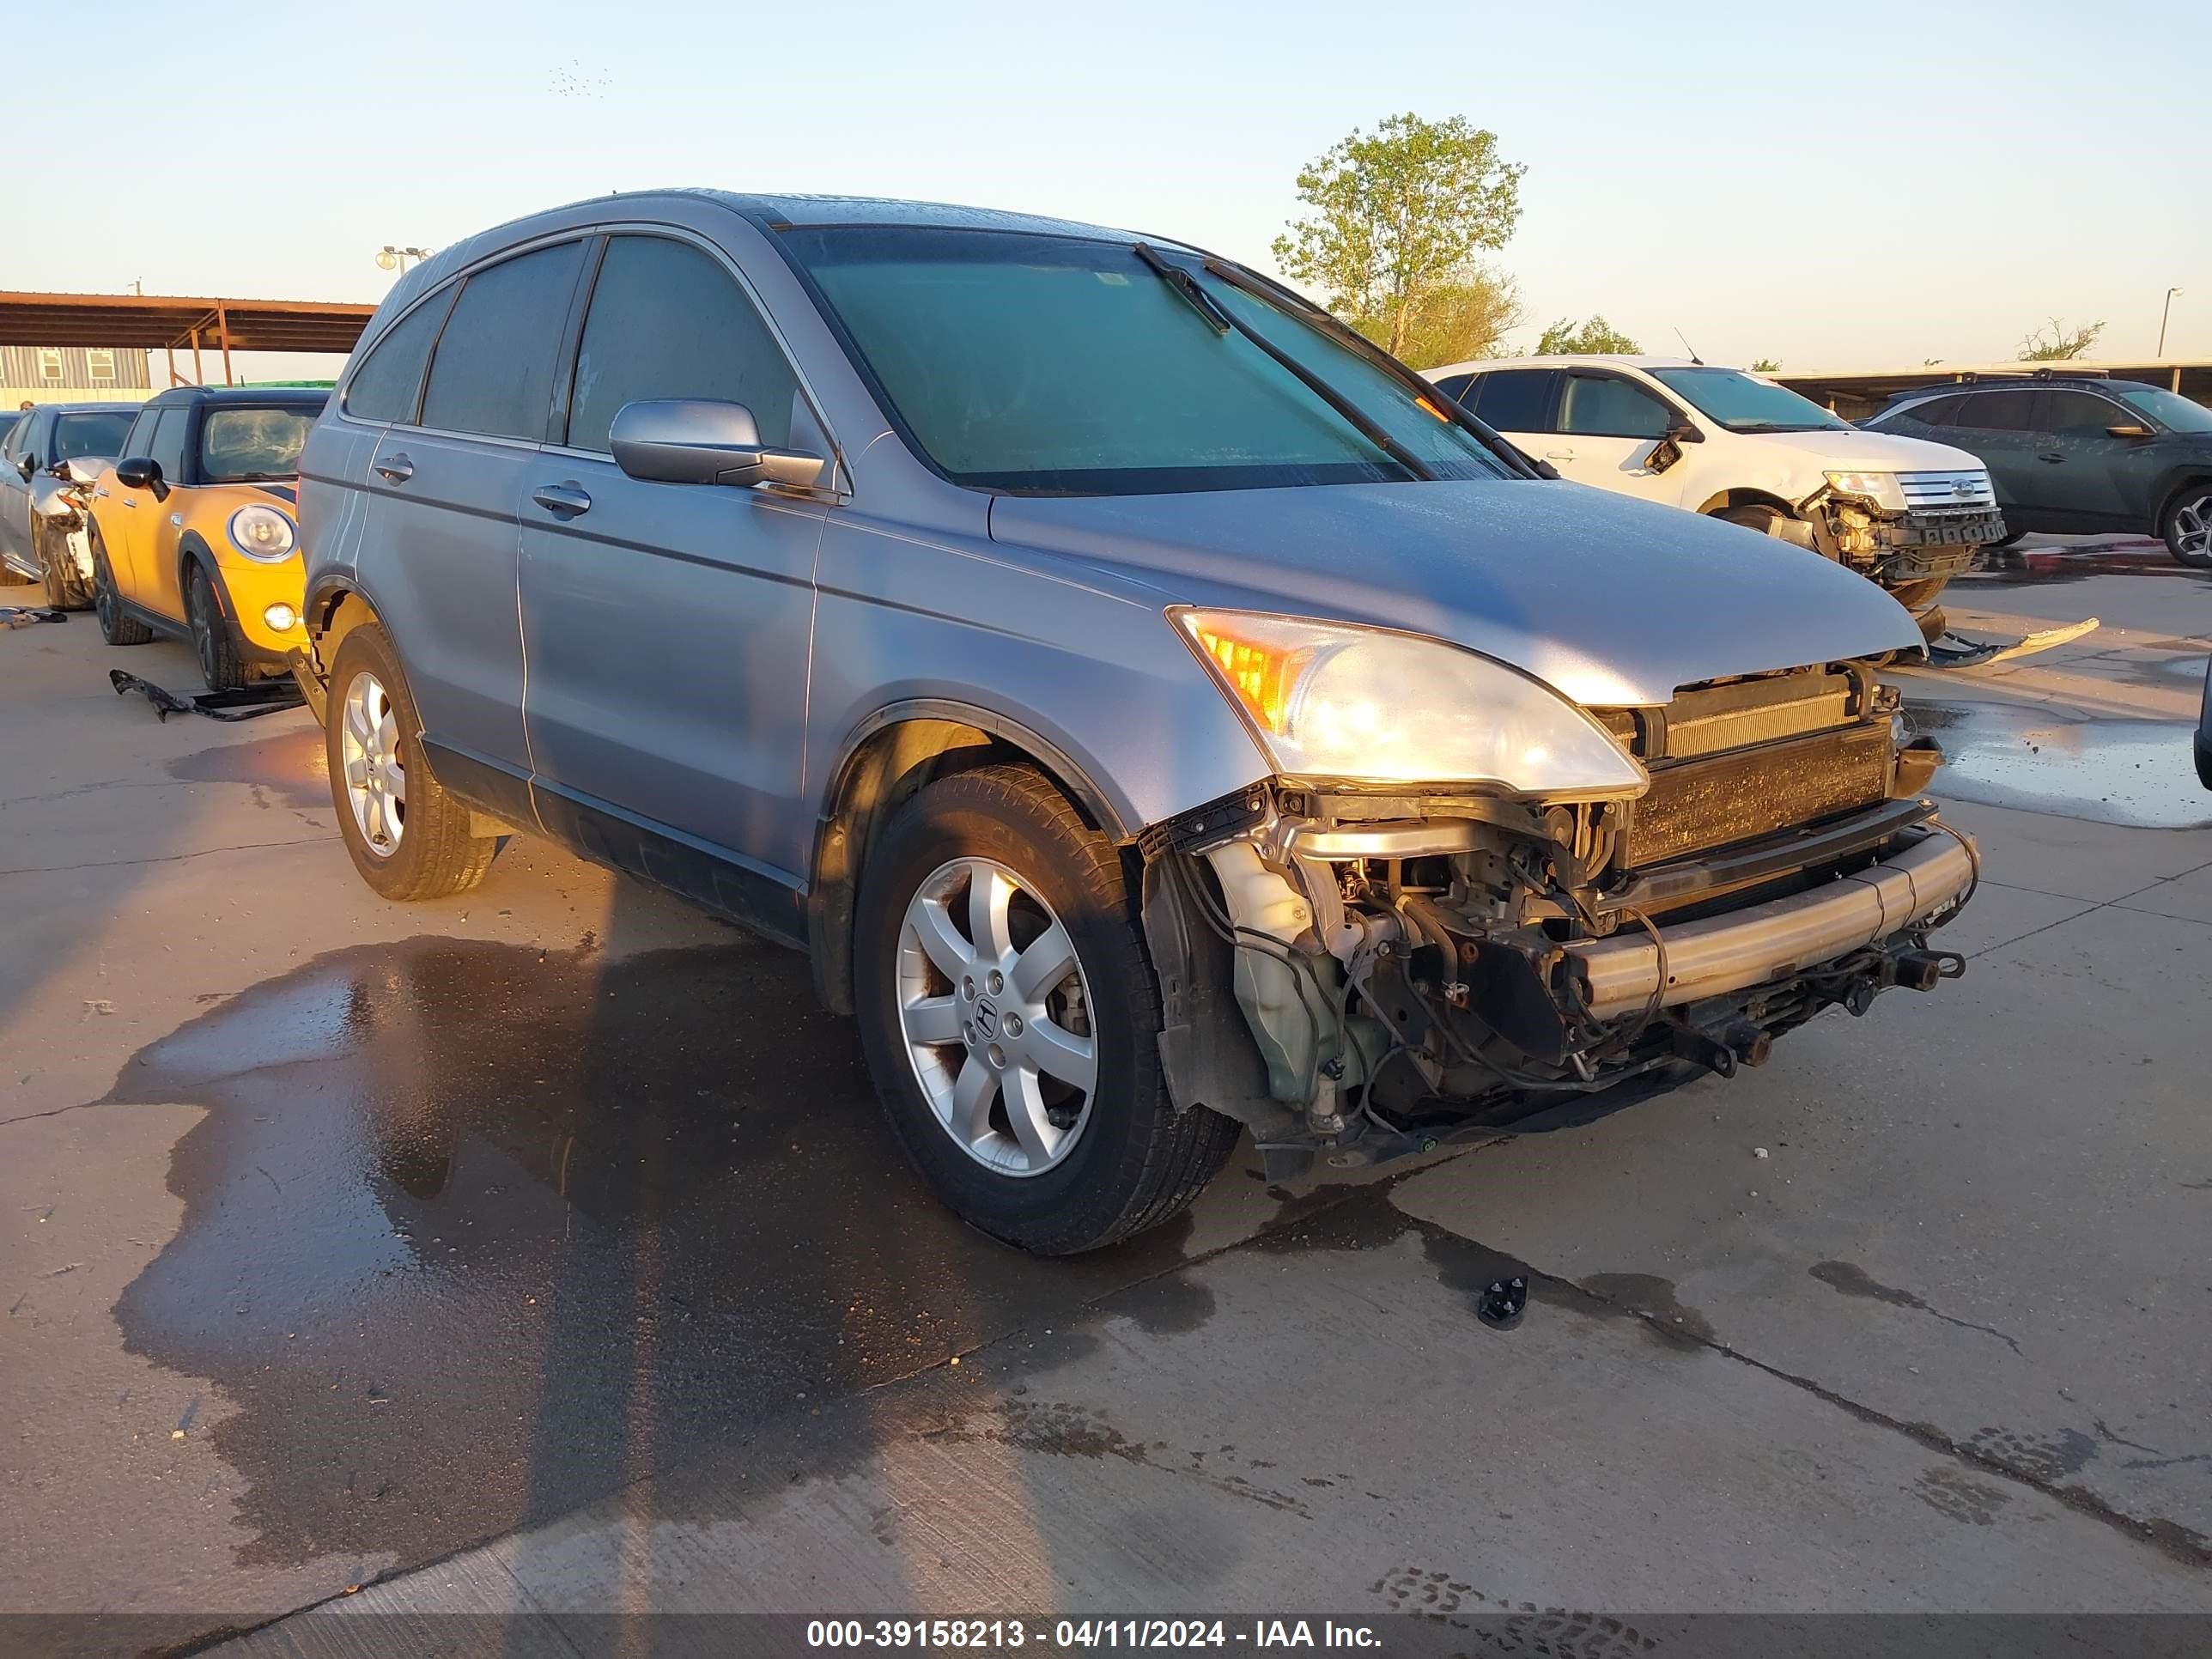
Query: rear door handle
[562,501]
[397,468]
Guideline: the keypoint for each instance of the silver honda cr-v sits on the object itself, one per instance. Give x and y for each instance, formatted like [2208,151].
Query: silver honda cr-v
[1153,711]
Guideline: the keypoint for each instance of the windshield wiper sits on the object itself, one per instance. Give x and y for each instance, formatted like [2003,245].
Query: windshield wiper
[1221,319]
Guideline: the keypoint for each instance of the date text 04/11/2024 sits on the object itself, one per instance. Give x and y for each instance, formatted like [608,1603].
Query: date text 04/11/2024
[1106,1633]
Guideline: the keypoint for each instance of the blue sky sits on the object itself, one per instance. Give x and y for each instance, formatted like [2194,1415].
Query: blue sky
[1835,186]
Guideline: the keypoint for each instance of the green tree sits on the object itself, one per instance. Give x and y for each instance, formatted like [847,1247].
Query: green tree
[1398,218]
[2056,342]
[1463,317]
[1567,338]
[1767,365]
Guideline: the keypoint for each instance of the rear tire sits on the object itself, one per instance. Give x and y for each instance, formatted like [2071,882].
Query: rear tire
[117,626]
[2187,526]
[66,589]
[213,646]
[1132,1160]
[409,838]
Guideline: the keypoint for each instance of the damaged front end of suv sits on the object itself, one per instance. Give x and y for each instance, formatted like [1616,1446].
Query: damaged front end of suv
[1609,901]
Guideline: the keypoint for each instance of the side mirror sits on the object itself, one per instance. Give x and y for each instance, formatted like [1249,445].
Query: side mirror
[697,441]
[138,472]
[2129,430]
[27,464]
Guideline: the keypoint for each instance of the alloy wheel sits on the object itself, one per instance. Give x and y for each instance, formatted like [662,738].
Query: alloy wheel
[375,782]
[995,1013]
[2192,530]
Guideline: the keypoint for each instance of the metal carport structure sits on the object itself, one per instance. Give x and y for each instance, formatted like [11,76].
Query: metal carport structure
[151,322]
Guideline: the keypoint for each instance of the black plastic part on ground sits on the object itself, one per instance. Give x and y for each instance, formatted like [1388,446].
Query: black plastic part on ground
[246,702]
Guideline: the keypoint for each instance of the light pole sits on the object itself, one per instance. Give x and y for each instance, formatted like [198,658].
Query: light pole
[395,259]
[2165,313]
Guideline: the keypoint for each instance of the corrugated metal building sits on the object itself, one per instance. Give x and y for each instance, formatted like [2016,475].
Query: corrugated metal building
[71,374]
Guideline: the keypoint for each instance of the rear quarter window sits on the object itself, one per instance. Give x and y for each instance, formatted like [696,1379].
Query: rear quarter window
[388,384]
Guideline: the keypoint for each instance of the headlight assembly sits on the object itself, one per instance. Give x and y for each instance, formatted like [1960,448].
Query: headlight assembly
[263,533]
[1879,488]
[1329,700]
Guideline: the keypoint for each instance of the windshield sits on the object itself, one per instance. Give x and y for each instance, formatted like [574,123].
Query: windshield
[1062,365]
[1743,403]
[2169,409]
[246,445]
[99,432]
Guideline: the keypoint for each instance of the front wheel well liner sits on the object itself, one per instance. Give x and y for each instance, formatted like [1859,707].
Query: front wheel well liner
[2180,487]
[889,761]
[1747,498]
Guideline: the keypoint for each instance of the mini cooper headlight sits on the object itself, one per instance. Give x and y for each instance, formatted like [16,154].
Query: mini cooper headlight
[263,533]
[1329,700]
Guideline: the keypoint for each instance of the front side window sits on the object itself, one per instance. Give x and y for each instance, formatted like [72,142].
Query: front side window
[2169,409]
[1601,406]
[251,445]
[167,447]
[1514,399]
[1064,365]
[493,370]
[97,432]
[1744,403]
[140,438]
[667,321]
[388,385]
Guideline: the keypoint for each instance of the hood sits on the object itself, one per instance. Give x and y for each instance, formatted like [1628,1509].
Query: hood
[1607,600]
[1857,450]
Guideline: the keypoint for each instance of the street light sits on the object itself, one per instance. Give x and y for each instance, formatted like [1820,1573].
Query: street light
[2162,316]
[395,259]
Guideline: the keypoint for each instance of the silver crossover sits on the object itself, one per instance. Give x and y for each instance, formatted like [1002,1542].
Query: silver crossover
[1155,713]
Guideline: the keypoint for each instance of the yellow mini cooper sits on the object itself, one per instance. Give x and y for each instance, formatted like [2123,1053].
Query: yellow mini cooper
[195,530]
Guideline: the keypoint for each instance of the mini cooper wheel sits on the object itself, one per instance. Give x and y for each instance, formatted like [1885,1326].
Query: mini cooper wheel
[213,647]
[1010,1019]
[2188,527]
[117,626]
[407,836]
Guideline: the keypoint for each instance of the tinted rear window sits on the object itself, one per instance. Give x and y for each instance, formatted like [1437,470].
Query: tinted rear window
[493,373]
[1997,411]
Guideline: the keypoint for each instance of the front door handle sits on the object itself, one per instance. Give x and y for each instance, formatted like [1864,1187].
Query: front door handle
[2053,459]
[562,501]
[1558,454]
[397,468]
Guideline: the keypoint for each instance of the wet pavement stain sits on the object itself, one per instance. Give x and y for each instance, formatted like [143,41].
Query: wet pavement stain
[1959,1497]
[474,1233]
[2046,1458]
[293,764]
[1847,1279]
[2109,771]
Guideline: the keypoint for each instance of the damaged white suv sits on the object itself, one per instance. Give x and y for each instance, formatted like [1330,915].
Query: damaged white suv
[1155,712]
[1736,445]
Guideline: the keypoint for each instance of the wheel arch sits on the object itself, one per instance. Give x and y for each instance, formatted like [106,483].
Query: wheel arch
[884,762]
[2183,480]
[1746,496]
[334,607]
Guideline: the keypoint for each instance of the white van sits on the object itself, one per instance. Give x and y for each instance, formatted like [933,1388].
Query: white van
[1737,446]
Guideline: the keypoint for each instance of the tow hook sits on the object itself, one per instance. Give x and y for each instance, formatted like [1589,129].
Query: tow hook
[1741,1043]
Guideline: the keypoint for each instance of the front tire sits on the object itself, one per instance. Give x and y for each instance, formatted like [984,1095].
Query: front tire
[1761,519]
[117,626]
[408,837]
[1010,1019]
[213,647]
[2187,527]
